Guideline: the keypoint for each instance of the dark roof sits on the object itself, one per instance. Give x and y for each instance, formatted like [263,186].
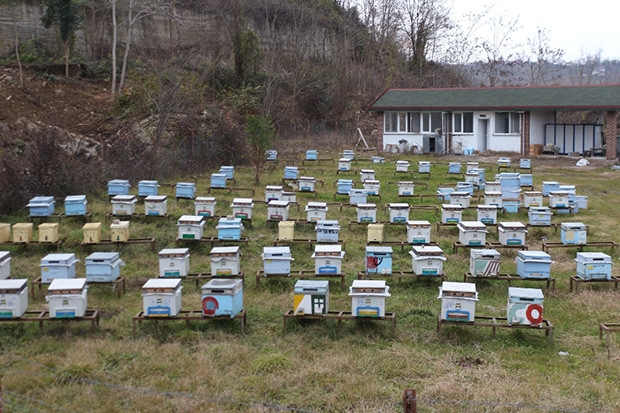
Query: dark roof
[599,97]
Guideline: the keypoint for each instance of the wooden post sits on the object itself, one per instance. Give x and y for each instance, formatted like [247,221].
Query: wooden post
[0,394]
[409,401]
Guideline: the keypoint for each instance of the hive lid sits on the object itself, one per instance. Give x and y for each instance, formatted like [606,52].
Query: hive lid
[277,203]
[484,252]
[273,187]
[155,198]
[225,250]
[92,225]
[472,225]
[116,224]
[4,255]
[367,171]
[457,194]
[452,206]
[320,248]
[162,283]
[493,193]
[276,250]
[62,257]
[398,205]
[366,206]
[118,182]
[242,202]
[148,182]
[379,249]
[103,256]
[534,255]
[124,198]
[573,225]
[314,204]
[191,219]
[512,225]
[418,223]
[306,178]
[67,284]
[40,200]
[369,287]
[207,199]
[480,206]
[186,184]
[223,283]
[521,292]
[75,198]
[312,285]
[458,289]
[12,285]
[177,252]
[406,183]
[540,210]
[426,250]
[589,256]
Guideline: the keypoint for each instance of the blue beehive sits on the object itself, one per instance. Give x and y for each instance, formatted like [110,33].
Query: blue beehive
[276,260]
[271,154]
[481,176]
[533,264]
[574,233]
[103,266]
[222,297]
[424,167]
[229,228]
[357,196]
[118,187]
[41,206]
[378,260]
[291,172]
[312,155]
[525,163]
[186,190]
[229,171]
[444,193]
[593,266]
[75,205]
[146,188]
[57,266]
[348,154]
[454,168]
[539,216]
[526,180]
[465,187]
[344,186]
[218,180]
[548,186]
[511,206]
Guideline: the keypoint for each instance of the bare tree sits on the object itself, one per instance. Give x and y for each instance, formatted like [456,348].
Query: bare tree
[543,60]
[585,70]
[13,4]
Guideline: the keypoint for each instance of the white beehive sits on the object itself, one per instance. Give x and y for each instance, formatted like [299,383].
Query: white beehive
[225,260]
[276,260]
[472,233]
[366,213]
[311,297]
[242,208]
[558,199]
[13,297]
[461,198]
[55,266]
[493,186]
[511,233]
[484,262]
[190,226]
[525,306]
[174,262]
[368,298]
[451,214]
[277,210]
[306,183]
[289,196]
[487,214]
[532,199]
[402,166]
[399,212]
[67,298]
[372,186]
[273,193]
[328,259]
[204,206]
[161,297]
[316,211]
[458,301]
[424,167]
[327,231]
[156,205]
[418,232]
[493,198]
[5,265]
[344,164]
[124,204]
[427,260]
[406,188]
[472,177]
[472,165]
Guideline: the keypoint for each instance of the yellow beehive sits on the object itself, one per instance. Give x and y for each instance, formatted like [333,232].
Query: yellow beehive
[48,232]
[92,232]
[119,231]
[286,230]
[5,232]
[22,233]
[375,232]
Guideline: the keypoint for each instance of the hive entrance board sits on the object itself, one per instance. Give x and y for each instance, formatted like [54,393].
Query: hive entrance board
[367,290]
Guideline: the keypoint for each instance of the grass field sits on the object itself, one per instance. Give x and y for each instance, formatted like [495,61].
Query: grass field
[210,366]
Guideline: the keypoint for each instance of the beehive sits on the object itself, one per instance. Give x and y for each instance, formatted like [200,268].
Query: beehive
[289,196]
[276,260]
[484,262]
[229,228]
[222,297]
[41,206]
[533,264]
[328,259]
[204,206]
[424,167]
[124,204]
[511,206]
[357,196]
[344,164]
[286,230]
[306,183]
[427,260]
[312,155]
[368,298]
[316,211]
[418,232]
[5,265]
[443,194]
[372,186]
[225,260]
[156,205]
[92,232]
[327,230]
[118,187]
[148,187]
[487,214]
[454,168]
[548,186]
[375,233]
[343,186]
[503,162]
[186,190]
[348,154]
[574,233]
[525,163]
[311,297]
[242,208]
[473,177]
[75,205]
[271,154]
[13,297]
[402,166]
[5,232]
[378,260]
[526,180]
[451,214]
[458,301]
[511,233]
[48,232]
[460,198]
[539,216]
[55,266]
[472,232]
[525,306]
[103,266]
[22,232]
[367,174]
[190,226]
[464,187]
[67,298]
[174,262]
[581,201]
[377,159]
[532,199]
[277,210]
[366,213]
[228,170]
[558,199]
[119,231]
[399,212]
[405,188]
[472,165]
[493,186]
[481,176]
[291,172]
[218,180]
[273,193]
[593,266]
[161,297]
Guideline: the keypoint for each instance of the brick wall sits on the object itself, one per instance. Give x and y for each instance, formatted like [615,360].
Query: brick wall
[379,129]
[611,131]
[525,147]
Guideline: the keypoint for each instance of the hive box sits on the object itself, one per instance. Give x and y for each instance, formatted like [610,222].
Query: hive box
[146,188]
[368,298]
[306,183]
[511,233]
[378,260]
[5,232]
[271,154]
[581,201]
[402,166]
[161,297]
[357,196]
[222,297]
[511,206]
[228,170]
[451,214]
[118,187]
[372,187]
[424,167]
[225,260]
[472,232]
[375,233]
[242,208]
[48,232]
[377,159]
[311,297]
[204,206]
[472,165]
[366,213]
[316,211]
[443,194]
[525,163]
[533,264]
[190,226]
[465,187]
[427,260]
[119,231]
[5,265]
[458,301]
[13,298]
[525,306]
[487,214]
[67,298]
[526,180]
[186,190]
[41,206]
[276,260]
[593,266]
[484,262]
[418,232]
[503,162]
[277,210]
[57,266]
[348,154]
[328,259]
[548,186]
[343,186]
[473,177]
[461,198]
[532,199]
[454,168]
[405,188]
[92,232]
[273,193]
[574,233]
[174,262]
[399,212]
[289,196]
[124,204]
[312,155]
[367,174]
[558,199]
[291,172]
[22,233]
[327,231]
[229,228]
[103,266]
[156,205]
[539,216]
[344,164]
[286,230]
[75,205]
[493,186]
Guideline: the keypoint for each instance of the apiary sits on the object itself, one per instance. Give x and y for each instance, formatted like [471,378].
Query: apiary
[539,216]
[119,231]
[118,187]
[379,260]
[465,187]
[242,208]
[13,297]
[460,198]
[311,297]
[473,177]
[511,233]
[204,206]
[532,199]
[174,262]
[487,214]
[67,298]
[375,233]
[574,233]
[277,210]
[91,233]
[276,260]
[306,183]
[5,232]
[218,180]
[228,170]
[222,297]
[367,174]
[271,154]
[525,306]
[511,206]
[493,186]
[316,211]
[525,163]
[424,167]
[368,298]
[399,212]
[443,194]
[472,232]
[57,266]
[503,162]
[472,165]
[405,188]
[225,260]
[312,155]
[402,166]
[124,204]
[229,228]
[343,186]
[451,214]
[48,232]
[418,232]
[103,266]
[427,260]
[493,198]
[366,213]
[344,164]
[186,190]
[327,231]
[371,186]
[75,205]
[458,301]
[548,186]
[357,196]
[558,199]
[22,232]
[593,266]
[348,154]
[286,230]
[5,265]
[148,187]
[161,297]
[41,206]
[454,168]
[533,264]
[377,159]
[526,180]
[156,205]
[328,259]
[291,172]
[190,226]
[484,262]
[273,193]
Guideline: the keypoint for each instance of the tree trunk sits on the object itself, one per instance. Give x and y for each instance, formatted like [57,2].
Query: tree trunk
[19,60]
[127,46]
[114,41]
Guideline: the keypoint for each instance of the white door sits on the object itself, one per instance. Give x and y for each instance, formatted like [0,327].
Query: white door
[482,133]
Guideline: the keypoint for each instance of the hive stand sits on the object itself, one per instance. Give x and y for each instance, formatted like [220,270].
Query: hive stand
[468,277]
[402,244]
[456,245]
[399,275]
[42,316]
[608,328]
[231,189]
[498,322]
[576,281]
[303,162]
[548,245]
[84,217]
[187,316]
[117,285]
[198,277]
[340,316]
[497,245]
[56,244]
[118,244]
[212,240]
[301,274]
[308,241]
[554,226]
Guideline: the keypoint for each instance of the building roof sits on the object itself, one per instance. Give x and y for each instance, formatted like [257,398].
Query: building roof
[599,97]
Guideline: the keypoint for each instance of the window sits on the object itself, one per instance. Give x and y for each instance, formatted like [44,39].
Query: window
[395,121]
[414,122]
[508,122]
[463,122]
[431,121]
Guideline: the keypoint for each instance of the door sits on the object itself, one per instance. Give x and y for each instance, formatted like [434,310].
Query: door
[482,133]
